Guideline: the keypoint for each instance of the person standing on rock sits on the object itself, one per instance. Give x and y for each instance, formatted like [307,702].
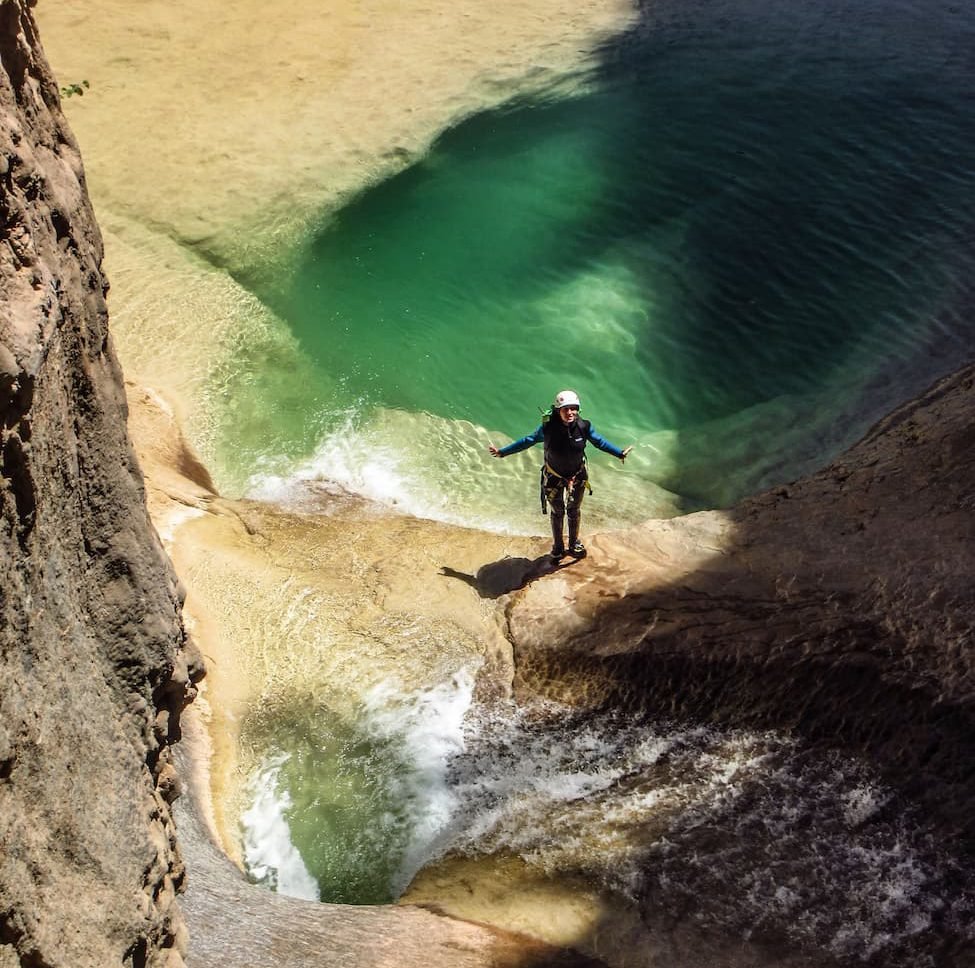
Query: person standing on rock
[564,478]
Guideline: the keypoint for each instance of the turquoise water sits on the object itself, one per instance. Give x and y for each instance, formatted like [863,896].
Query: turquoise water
[748,238]
[346,808]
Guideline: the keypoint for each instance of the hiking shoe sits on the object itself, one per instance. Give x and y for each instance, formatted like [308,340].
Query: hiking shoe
[577,549]
[557,552]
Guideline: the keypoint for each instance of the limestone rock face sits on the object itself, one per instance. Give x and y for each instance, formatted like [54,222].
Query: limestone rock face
[839,607]
[94,666]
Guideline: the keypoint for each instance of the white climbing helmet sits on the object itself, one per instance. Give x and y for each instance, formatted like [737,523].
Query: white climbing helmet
[566,398]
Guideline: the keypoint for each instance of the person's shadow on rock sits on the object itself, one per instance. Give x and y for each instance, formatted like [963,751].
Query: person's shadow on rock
[497,578]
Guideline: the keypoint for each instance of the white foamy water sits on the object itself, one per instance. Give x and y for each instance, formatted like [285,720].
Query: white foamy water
[404,739]
[430,724]
[168,523]
[591,781]
[746,830]
[269,855]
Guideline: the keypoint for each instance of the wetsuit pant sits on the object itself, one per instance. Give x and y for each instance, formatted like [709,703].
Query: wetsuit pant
[565,500]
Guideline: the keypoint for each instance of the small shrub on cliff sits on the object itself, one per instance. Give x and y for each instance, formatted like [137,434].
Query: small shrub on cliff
[70,90]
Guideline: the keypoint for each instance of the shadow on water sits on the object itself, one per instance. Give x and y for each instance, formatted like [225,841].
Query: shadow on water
[508,574]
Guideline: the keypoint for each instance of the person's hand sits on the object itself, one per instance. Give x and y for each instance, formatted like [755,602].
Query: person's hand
[494,451]
[626,451]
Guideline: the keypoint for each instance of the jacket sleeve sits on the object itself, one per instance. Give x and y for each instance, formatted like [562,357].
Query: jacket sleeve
[523,443]
[603,444]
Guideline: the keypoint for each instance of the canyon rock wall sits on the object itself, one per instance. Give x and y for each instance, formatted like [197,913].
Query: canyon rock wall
[94,664]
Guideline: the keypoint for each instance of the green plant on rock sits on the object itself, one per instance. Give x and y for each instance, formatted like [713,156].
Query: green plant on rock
[70,90]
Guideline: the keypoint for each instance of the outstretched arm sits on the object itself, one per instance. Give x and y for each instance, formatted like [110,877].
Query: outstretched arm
[522,444]
[603,444]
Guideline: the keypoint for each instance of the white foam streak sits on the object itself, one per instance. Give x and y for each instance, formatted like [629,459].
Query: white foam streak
[430,724]
[862,802]
[439,469]
[170,521]
[346,457]
[395,461]
[269,855]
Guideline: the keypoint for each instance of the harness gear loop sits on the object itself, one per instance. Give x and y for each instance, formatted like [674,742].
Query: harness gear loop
[570,482]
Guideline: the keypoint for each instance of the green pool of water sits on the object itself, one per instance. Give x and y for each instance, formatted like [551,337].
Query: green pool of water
[745,241]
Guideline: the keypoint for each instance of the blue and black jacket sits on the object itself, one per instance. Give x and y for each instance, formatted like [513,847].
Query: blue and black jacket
[565,445]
